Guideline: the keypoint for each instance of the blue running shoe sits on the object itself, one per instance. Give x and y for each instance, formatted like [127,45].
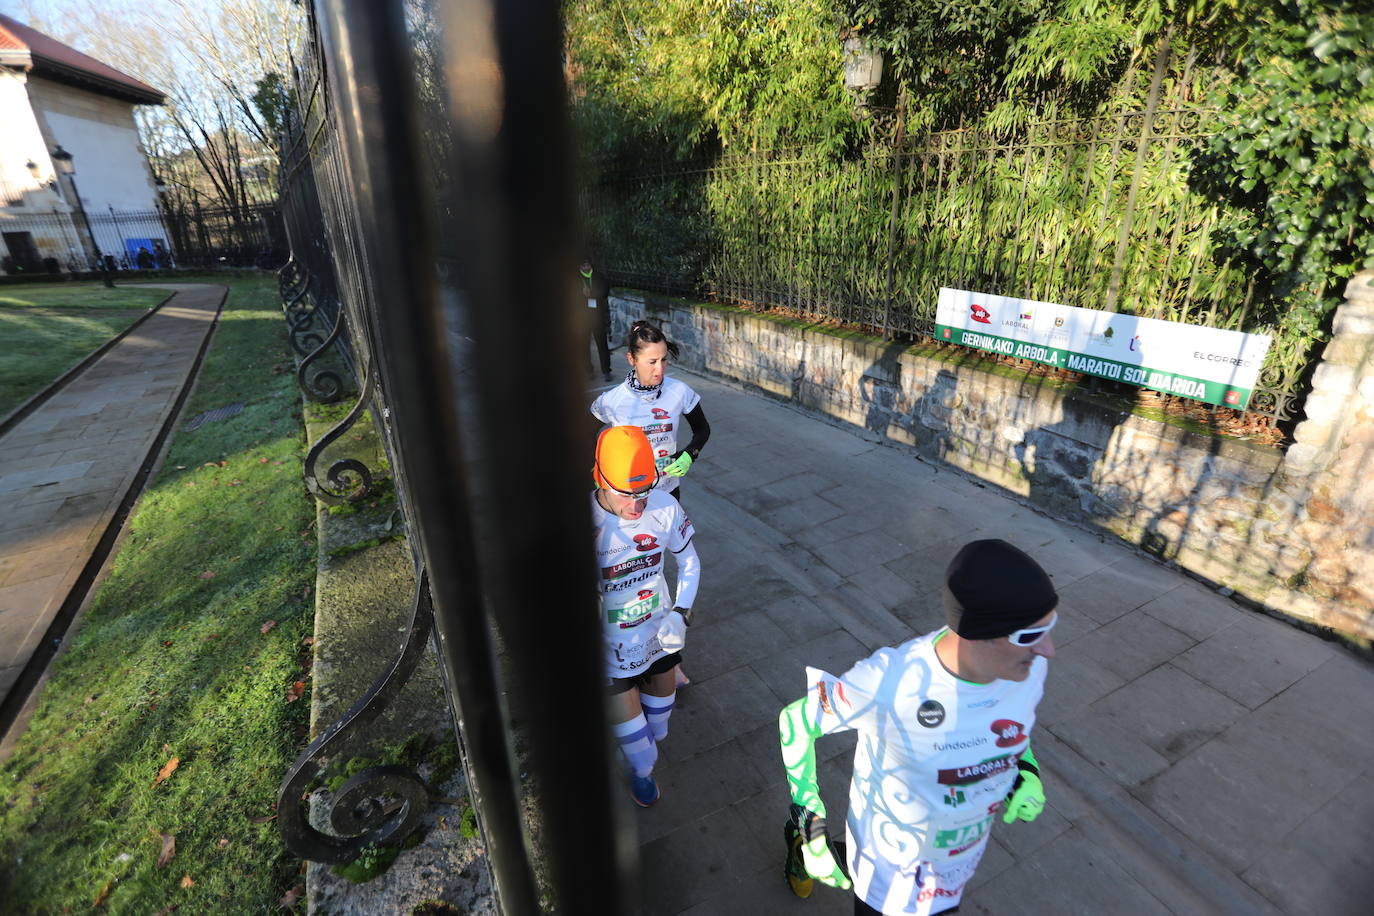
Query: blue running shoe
[643,790]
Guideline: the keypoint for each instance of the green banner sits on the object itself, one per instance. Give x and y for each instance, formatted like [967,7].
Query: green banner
[1209,392]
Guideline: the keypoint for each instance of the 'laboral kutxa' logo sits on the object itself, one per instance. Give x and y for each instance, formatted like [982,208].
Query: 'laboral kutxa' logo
[1008,732]
[965,776]
[632,565]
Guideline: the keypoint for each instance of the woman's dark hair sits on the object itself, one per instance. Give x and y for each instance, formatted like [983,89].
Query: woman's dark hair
[646,332]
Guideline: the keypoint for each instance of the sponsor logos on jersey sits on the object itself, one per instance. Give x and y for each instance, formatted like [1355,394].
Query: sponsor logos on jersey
[657,429]
[823,695]
[967,775]
[645,542]
[982,704]
[661,414]
[954,797]
[634,613]
[634,564]
[684,527]
[632,581]
[960,839]
[963,744]
[1008,732]
[930,713]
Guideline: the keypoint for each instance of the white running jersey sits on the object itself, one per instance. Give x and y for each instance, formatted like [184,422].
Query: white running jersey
[936,756]
[632,581]
[658,413]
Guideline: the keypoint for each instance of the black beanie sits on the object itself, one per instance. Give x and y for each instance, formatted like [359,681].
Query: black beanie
[993,589]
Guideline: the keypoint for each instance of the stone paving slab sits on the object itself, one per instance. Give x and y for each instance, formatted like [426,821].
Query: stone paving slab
[65,468]
[1199,756]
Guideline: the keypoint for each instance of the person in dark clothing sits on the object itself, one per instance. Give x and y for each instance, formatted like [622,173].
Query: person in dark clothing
[598,295]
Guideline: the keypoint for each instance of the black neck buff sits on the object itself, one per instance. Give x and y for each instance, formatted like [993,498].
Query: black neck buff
[993,589]
[633,381]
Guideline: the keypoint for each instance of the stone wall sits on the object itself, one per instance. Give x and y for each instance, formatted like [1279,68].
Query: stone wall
[1287,529]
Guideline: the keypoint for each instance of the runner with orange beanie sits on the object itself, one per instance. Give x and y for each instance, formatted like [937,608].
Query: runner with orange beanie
[637,526]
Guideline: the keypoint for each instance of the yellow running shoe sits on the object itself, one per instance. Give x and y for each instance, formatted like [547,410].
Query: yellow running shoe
[794,869]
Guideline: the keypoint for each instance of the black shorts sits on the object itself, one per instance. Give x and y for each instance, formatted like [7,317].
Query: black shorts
[618,685]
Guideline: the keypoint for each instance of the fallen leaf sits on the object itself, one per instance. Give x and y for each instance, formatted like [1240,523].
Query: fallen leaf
[166,910]
[289,899]
[181,467]
[169,849]
[262,820]
[166,643]
[88,701]
[236,483]
[305,595]
[209,464]
[266,627]
[187,882]
[263,460]
[167,769]
[308,641]
[166,749]
[279,527]
[294,694]
[104,892]
[223,463]
[190,483]
[206,575]
[223,842]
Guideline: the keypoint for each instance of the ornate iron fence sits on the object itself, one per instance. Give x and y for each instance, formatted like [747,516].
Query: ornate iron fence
[55,241]
[1095,212]
[421,199]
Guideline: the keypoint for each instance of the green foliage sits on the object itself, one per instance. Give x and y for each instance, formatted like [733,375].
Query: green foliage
[172,662]
[728,165]
[374,860]
[1294,161]
[272,98]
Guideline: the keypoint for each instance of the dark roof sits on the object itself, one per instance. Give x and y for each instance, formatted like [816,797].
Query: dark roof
[21,46]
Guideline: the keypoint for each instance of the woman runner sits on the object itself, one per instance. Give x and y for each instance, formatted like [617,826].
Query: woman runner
[656,404]
[637,526]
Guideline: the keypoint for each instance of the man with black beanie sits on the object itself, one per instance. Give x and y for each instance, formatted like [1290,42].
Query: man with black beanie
[944,724]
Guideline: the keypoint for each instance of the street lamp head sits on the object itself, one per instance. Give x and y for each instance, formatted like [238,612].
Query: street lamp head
[62,160]
[159,184]
[33,168]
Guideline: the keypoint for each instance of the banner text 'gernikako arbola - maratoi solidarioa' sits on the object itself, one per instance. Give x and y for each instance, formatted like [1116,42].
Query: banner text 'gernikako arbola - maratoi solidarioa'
[1207,364]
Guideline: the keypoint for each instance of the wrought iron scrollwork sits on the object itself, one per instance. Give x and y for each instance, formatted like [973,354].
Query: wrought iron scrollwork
[290,276]
[302,333]
[325,386]
[347,479]
[381,804]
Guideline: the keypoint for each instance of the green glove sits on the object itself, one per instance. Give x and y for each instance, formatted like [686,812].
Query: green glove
[1027,797]
[680,466]
[817,856]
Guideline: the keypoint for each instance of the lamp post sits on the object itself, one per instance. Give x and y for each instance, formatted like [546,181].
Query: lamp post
[62,160]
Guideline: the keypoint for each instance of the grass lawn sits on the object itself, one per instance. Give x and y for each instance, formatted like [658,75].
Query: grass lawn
[147,777]
[49,328]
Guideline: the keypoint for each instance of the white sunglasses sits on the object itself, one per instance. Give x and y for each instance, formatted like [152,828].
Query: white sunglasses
[1032,635]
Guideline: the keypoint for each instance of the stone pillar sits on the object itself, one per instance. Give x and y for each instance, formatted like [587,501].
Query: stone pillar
[1333,457]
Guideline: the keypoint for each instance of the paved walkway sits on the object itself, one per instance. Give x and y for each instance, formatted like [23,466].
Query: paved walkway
[65,468]
[1200,757]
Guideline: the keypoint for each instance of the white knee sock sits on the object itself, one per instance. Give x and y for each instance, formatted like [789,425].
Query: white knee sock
[657,710]
[637,744]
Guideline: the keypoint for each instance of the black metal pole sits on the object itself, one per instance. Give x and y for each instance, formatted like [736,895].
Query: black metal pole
[486,500]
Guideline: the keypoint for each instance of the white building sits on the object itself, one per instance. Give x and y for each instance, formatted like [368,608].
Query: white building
[53,96]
